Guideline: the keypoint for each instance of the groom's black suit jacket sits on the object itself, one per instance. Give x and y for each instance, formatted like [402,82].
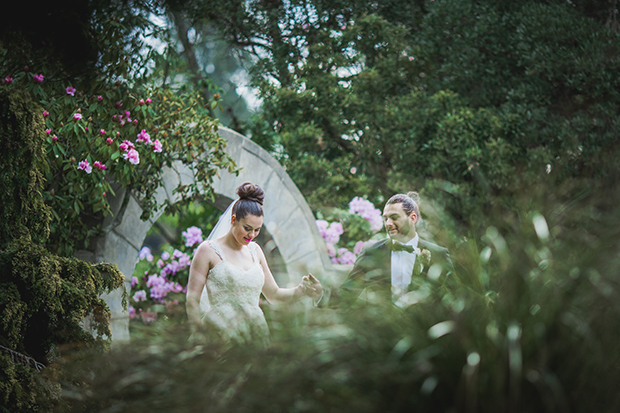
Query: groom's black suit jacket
[373,271]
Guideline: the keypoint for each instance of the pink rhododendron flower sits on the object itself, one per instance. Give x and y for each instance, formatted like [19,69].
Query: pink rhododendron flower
[141,102]
[127,114]
[126,145]
[131,311]
[346,256]
[54,138]
[100,98]
[119,104]
[85,166]
[145,254]
[132,156]
[157,146]
[193,235]
[143,136]
[331,250]
[8,80]
[359,247]
[70,90]
[46,113]
[109,141]
[148,101]
[77,116]
[38,78]
[165,255]
[122,122]
[332,234]
[48,131]
[139,296]
[99,165]
[367,210]
[102,132]
[135,121]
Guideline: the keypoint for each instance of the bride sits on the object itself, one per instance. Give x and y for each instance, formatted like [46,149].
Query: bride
[228,273]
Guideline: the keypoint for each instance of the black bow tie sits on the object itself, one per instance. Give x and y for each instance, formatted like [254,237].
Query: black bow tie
[398,246]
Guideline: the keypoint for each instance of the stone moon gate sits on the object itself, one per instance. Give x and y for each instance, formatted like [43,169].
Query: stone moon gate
[288,220]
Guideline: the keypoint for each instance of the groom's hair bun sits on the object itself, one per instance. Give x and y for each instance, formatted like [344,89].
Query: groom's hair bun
[250,201]
[410,201]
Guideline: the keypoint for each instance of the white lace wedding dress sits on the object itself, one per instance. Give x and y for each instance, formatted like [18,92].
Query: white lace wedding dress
[229,301]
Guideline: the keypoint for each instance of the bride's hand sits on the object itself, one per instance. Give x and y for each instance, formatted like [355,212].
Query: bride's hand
[312,287]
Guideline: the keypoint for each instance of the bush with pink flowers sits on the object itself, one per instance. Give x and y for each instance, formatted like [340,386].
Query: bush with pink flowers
[348,231]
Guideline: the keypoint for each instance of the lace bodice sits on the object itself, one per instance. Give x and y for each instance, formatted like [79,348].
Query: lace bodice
[229,301]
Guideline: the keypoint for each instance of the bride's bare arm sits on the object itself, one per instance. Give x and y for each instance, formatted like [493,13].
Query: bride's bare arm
[274,293]
[198,270]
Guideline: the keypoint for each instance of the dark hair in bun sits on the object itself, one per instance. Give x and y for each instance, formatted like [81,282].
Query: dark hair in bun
[250,201]
[410,202]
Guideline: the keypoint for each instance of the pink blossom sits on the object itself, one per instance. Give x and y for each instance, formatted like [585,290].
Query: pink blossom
[157,146]
[38,78]
[359,247]
[322,225]
[85,166]
[148,316]
[165,255]
[46,113]
[132,156]
[135,121]
[143,136]
[102,132]
[145,254]
[77,116]
[122,122]
[119,104]
[70,90]
[127,114]
[100,98]
[177,254]
[99,165]
[346,256]
[148,101]
[8,80]
[134,281]
[331,250]
[126,145]
[114,117]
[109,141]
[141,102]
[332,234]
[193,235]
[54,138]
[131,311]
[48,131]
[367,210]
[139,296]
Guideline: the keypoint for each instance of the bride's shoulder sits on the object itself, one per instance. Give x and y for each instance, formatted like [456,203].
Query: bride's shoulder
[206,249]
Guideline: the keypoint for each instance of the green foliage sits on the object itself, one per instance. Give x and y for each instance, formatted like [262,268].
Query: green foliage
[43,298]
[468,102]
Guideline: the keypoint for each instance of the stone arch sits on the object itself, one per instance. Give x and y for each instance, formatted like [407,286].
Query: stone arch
[288,219]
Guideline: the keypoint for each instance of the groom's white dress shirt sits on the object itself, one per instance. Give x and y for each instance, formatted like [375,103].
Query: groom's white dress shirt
[402,268]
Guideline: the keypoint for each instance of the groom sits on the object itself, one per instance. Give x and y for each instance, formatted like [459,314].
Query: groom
[391,268]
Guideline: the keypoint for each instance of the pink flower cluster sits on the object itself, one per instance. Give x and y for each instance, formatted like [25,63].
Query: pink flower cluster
[70,90]
[330,232]
[38,78]
[147,316]
[193,236]
[160,287]
[85,166]
[143,136]
[145,254]
[130,152]
[367,210]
